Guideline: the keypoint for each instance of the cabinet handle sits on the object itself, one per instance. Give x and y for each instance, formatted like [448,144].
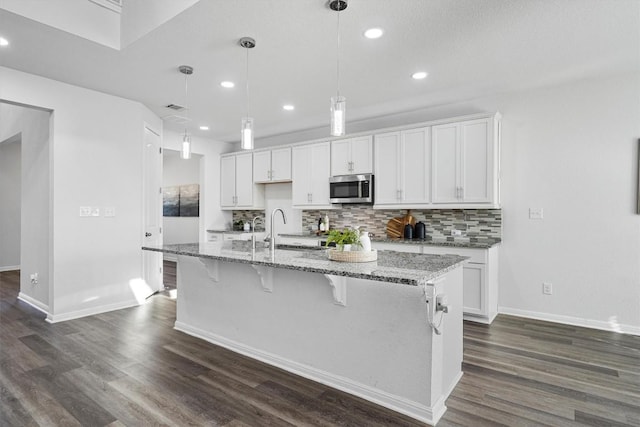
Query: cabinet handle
[461,193]
[271,174]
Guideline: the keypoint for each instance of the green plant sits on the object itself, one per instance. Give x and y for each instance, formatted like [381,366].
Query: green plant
[348,236]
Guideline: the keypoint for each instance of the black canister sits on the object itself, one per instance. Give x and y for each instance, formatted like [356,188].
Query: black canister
[408,231]
[420,230]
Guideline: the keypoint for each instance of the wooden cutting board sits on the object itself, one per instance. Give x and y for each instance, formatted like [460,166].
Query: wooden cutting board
[395,226]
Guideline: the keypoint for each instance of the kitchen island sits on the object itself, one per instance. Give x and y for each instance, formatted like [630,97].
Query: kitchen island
[369,329]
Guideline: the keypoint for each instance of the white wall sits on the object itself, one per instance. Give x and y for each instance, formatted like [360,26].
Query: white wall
[176,172]
[279,196]
[96,148]
[570,149]
[34,230]
[211,216]
[10,198]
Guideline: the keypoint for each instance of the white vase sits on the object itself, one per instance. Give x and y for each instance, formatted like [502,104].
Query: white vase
[365,241]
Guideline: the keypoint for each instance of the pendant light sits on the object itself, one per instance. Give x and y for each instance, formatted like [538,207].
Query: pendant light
[338,103]
[246,129]
[185,152]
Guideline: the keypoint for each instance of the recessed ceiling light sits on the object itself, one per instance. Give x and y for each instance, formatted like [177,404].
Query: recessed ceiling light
[419,75]
[204,127]
[4,42]
[373,33]
[288,107]
[227,85]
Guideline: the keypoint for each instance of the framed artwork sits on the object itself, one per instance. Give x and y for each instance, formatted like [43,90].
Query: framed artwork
[182,201]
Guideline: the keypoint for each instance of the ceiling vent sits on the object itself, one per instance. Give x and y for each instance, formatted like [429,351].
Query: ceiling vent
[175,107]
[174,118]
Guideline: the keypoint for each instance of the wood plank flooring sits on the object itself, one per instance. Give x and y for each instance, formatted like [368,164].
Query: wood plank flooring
[129,367]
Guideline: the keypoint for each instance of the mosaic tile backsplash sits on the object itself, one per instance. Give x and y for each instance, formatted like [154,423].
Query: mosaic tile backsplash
[477,225]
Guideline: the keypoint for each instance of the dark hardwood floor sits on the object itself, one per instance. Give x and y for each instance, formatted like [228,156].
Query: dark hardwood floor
[129,367]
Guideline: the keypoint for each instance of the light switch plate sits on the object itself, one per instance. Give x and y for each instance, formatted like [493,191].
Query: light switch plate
[95,211]
[536,213]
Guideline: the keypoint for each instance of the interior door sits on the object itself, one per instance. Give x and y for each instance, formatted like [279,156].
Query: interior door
[152,209]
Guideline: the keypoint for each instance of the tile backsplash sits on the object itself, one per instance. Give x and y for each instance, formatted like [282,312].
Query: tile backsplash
[477,225]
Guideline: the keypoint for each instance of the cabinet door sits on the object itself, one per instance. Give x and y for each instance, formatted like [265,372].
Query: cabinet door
[281,164]
[362,155]
[227,181]
[445,163]
[244,180]
[387,160]
[261,166]
[473,283]
[341,157]
[320,167]
[415,166]
[476,161]
[300,173]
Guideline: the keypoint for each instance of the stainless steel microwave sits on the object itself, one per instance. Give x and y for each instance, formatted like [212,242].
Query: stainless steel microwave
[351,188]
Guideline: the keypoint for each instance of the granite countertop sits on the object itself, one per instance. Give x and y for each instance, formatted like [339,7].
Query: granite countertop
[391,266]
[462,242]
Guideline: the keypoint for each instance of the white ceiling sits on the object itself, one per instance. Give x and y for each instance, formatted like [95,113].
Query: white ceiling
[470,48]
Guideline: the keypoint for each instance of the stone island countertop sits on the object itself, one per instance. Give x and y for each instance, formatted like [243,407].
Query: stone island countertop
[391,266]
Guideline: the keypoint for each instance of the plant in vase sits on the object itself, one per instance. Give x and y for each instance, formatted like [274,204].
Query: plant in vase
[345,239]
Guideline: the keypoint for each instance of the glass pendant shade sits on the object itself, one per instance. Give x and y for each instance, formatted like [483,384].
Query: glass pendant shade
[185,153]
[246,133]
[338,115]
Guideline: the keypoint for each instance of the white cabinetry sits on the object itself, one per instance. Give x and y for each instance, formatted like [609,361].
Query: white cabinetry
[402,167]
[352,156]
[272,165]
[480,280]
[465,162]
[479,275]
[237,190]
[310,173]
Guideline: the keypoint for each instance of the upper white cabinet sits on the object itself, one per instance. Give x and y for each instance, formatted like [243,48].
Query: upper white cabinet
[272,165]
[465,162]
[403,172]
[310,171]
[237,190]
[352,156]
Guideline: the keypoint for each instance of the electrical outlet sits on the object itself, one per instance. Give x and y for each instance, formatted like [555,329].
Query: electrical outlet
[456,232]
[34,278]
[547,288]
[536,213]
[85,210]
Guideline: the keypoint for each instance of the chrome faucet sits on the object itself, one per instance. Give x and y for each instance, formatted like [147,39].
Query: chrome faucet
[253,232]
[273,233]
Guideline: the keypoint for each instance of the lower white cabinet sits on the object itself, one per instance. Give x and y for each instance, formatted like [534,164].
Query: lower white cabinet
[480,276]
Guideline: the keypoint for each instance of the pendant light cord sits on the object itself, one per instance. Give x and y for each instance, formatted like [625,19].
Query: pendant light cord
[186,103]
[247,82]
[338,54]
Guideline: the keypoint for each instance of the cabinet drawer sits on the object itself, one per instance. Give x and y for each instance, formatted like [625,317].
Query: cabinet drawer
[478,256]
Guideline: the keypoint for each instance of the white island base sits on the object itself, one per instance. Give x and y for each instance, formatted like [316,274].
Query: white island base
[367,338]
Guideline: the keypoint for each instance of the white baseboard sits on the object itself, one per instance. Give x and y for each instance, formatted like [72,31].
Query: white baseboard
[429,415]
[569,320]
[34,303]
[9,268]
[51,318]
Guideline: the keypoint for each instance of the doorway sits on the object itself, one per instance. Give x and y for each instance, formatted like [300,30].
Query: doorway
[181,206]
[25,194]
